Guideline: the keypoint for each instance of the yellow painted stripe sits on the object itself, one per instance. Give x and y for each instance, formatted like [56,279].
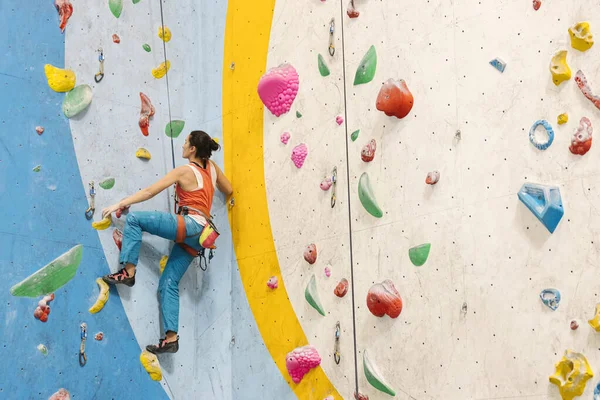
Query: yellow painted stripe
[247,35]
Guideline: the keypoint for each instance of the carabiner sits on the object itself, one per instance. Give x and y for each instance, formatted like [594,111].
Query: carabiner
[82,356]
[89,213]
[98,77]
[336,349]
[331,31]
[334,180]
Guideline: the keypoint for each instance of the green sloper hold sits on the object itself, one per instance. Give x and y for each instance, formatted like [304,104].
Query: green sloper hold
[51,277]
[366,196]
[116,6]
[174,128]
[298,115]
[136,1]
[312,295]
[323,69]
[418,254]
[366,70]
[147,47]
[77,100]
[107,183]
[354,135]
[374,376]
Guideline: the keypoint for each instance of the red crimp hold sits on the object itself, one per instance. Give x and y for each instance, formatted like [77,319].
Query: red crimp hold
[43,309]
[394,98]
[536,4]
[368,152]
[116,38]
[145,113]
[585,88]
[352,12]
[310,253]
[342,288]
[120,211]
[581,142]
[65,10]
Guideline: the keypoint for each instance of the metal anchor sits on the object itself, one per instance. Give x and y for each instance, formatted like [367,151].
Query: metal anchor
[98,77]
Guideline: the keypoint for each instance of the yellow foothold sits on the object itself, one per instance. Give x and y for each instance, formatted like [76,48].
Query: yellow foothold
[572,374]
[581,36]
[562,118]
[559,68]
[151,364]
[103,224]
[216,139]
[163,263]
[164,34]
[595,322]
[102,297]
[59,80]
[143,153]
[161,70]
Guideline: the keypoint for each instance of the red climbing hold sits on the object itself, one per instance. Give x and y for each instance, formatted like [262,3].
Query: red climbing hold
[342,288]
[146,112]
[352,12]
[62,394]
[394,98]
[368,152]
[65,10]
[585,88]
[581,142]
[383,298]
[120,211]
[39,129]
[536,4]
[116,38]
[310,253]
[118,238]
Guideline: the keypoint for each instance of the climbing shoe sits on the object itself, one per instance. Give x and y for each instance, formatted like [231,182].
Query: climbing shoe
[164,346]
[120,277]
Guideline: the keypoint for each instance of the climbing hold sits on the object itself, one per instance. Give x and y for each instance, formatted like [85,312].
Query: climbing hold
[65,10]
[118,238]
[278,88]
[327,271]
[418,254]
[374,377]
[147,47]
[42,349]
[551,298]
[354,135]
[383,298]
[574,325]
[163,263]
[536,4]
[549,131]
[298,115]
[367,67]
[572,373]
[39,129]
[581,36]
[52,276]
[174,128]
[351,11]
[107,183]
[544,202]
[581,142]
[595,322]
[394,98]
[432,177]
[312,295]
[99,336]
[301,360]
[273,282]
[77,100]
[143,153]
[360,396]
[326,184]
[559,68]
[102,297]
[161,70]
[498,64]
[342,288]
[597,392]
[60,80]
[367,154]
[562,119]
[37,168]
[585,88]
[147,110]
[366,196]
[285,137]
[151,364]
[43,309]
[310,253]
[164,33]
[323,69]
[299,154]
[135,1]
[339,120]
[103,223]
[62,394]
[116,38]
[116,7]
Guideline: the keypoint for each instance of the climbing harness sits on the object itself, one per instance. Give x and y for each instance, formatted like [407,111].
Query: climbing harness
[336,348]
[98,77]
[82,356]
[89,213]
[208,230]
[331,30]
[334,181]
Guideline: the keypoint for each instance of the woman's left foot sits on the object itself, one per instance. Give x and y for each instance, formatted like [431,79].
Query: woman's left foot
[164,346]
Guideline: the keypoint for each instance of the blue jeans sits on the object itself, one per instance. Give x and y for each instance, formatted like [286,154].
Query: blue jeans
[164,225]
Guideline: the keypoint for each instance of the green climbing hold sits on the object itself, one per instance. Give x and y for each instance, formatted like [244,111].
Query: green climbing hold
[366,196]
[418,254]
[51,277]
[136,1]
[298,115]
[37,168]
[107,183]
[116,6]
[312,295]
[174,128]
[366,70]
[354,135]
[322,66]
[77,100]
[147,47]
[374,377]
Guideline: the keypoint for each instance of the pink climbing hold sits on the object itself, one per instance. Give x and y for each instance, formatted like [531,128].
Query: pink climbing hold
[299,155]
[273,282]
[327,272]
[326,184]
[339,120]
[39,129]
[62,394]
[432,178]
[301,360]
[310,253]
[285,137]
[278,88]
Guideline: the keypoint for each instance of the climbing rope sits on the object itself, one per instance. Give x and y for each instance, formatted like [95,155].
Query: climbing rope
[162,23]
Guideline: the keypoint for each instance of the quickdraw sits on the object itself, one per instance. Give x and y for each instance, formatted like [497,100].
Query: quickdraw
[89,213]
[336,349]
[98,77]
[334,181]
[331,31]
[82,356]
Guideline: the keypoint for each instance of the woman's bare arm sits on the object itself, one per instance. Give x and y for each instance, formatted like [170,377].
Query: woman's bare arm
[223,183]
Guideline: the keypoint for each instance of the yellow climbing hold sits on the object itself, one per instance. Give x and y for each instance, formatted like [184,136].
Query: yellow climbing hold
[151,364]
[572,374]
[102,297]
[161,70]
[59,80]
[559,68]
[163,263]
[562,118]
[102,224]
[595,322]
[143,153]
[216,140]
[581,36]
[164,34]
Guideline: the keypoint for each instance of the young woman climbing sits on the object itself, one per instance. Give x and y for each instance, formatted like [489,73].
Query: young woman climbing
[194,188]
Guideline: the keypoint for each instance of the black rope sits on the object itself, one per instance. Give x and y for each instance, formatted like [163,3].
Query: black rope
[162,22]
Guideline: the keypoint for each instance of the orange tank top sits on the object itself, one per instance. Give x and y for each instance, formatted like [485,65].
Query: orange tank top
[202,198]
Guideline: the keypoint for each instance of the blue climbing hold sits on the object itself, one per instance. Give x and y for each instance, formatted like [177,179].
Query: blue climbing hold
[549,131]
[498,64]
[551,298]
[597,391]
[544,202]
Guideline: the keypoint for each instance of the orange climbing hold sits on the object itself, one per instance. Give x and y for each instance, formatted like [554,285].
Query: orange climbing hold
[116,38]
[383,298]
[394,98]
[146,112]
[537,4]
[65,10]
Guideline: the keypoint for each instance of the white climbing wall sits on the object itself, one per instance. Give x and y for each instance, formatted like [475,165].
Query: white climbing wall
[488,250]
